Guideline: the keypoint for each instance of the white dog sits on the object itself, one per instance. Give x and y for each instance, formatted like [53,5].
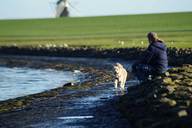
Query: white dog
[120,76]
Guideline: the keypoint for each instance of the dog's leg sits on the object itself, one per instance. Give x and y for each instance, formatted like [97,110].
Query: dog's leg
[122,85]
[115,83]
[124,81]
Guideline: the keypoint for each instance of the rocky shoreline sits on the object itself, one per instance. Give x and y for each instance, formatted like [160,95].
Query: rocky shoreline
[177,56]
[164,102]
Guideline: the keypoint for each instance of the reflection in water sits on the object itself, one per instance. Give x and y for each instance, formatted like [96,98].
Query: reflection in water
[17,82]
[75,117]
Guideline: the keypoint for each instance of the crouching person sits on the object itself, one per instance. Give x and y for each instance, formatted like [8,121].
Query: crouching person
[154,61]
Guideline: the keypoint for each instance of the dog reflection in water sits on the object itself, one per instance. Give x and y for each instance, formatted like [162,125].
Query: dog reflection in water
[120,77]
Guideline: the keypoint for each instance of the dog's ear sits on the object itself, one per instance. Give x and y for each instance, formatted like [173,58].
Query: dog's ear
[115,67]
[119,65]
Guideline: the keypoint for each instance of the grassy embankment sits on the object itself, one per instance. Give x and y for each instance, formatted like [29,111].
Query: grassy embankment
[99,32]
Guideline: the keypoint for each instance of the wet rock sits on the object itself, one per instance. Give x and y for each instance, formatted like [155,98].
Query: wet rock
[12,105]
[188,103]
[18,103]
[182,113]
[168,101]
[170,89]
[47,94]
[178,82]
[68,84]
[175,76]
[187,82]
[168,81]
[167,74]
[164,94]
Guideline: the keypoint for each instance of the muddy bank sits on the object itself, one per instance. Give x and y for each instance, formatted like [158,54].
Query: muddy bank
[176,56]
[164,102]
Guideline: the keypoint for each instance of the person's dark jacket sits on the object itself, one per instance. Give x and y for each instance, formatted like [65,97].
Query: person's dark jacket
[156,56]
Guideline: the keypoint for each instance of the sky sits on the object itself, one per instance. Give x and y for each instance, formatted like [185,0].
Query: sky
[22,9]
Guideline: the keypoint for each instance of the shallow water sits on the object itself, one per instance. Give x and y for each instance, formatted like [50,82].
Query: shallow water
[17,82]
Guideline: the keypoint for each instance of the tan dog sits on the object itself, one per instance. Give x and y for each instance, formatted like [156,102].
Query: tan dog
[120,76]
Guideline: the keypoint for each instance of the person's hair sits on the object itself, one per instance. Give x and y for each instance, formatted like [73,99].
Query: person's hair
[152,36]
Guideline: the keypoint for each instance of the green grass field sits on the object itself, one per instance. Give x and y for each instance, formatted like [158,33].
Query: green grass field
[99,32]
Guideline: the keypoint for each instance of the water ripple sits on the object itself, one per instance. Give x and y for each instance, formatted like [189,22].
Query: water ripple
[16,82]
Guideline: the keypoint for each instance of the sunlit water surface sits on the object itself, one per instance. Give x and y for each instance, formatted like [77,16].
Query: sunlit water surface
[17,82]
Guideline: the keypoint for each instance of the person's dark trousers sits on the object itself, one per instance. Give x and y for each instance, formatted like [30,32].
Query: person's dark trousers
[142,71]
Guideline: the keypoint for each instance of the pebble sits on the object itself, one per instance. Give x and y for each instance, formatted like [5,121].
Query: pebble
[182,113]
